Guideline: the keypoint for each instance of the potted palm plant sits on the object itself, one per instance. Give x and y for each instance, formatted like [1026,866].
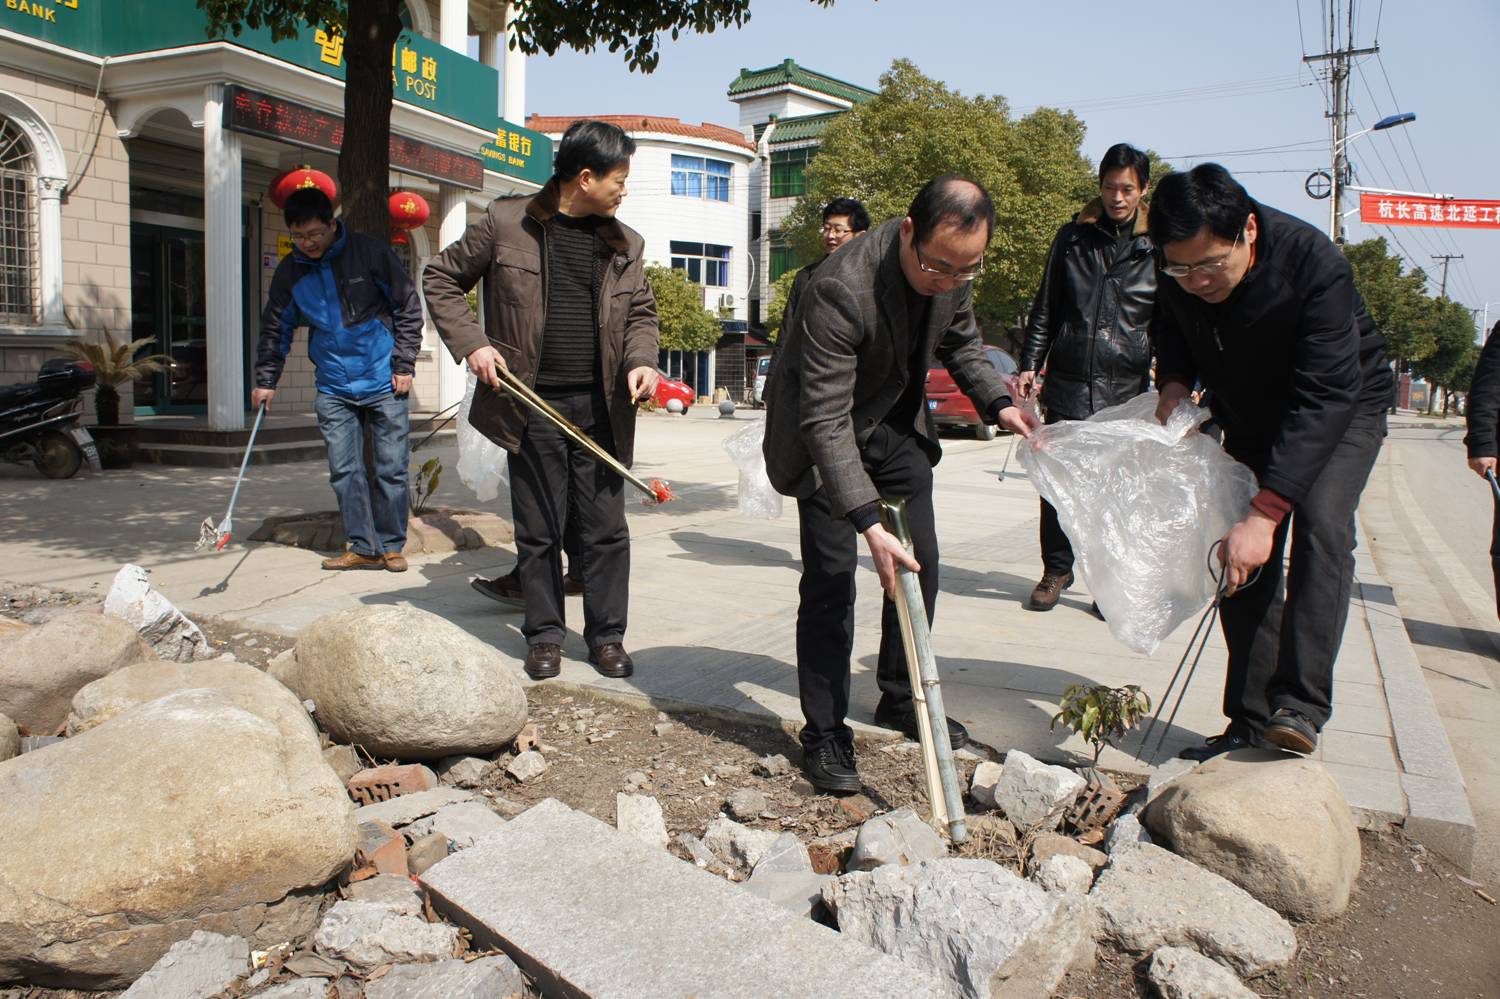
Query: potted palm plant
[115,364]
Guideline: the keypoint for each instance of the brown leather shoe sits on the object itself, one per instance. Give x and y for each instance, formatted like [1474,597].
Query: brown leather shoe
[395,562]
[572,585]
[543,661]
[1047,592]
[611,660]
[354,560]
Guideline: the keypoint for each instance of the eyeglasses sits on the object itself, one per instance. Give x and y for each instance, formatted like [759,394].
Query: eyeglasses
[1206,267]
[836,230]
[312,236]
[965,275]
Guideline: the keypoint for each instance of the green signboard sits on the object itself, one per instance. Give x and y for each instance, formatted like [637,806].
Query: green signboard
[72,24]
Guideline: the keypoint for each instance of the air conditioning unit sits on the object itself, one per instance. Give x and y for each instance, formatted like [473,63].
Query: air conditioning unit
[726,301]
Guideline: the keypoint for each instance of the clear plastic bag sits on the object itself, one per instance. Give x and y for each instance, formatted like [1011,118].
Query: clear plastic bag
[1142,504]
[758,499]
[481,462]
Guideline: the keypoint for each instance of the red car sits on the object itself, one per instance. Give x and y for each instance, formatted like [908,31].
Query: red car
[951,408]
[668,389]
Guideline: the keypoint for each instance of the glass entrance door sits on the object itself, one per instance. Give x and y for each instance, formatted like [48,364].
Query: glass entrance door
[167,296]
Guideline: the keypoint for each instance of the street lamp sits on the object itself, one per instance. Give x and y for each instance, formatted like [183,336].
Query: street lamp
[1341,166]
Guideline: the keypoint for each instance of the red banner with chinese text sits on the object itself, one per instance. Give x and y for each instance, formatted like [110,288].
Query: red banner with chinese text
[1454,213]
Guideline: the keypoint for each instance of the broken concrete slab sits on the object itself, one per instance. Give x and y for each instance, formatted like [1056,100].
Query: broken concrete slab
[392,891]
[899,837]
[493,977]
[408,808]
[639,816]
[737,844]
[1180,973]
[800,892]
[202,965]
[367,935]
[527,766]
[577,903]
[463,823]
[302,988]
[785,855]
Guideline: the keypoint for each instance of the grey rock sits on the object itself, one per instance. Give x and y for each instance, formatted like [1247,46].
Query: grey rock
[747,803]
[367,935]
[42,668]
[425,851]
[408,808]
[463,771]
[404,682]
[899,837]
[699,854]
[1276,826]
[235,818]
[462,824]
[527,766]
[775,765]
[737,844]
[302,988]
[785,855]
[389,890]
[493,977]
[31,743]
[1149,898]
[800,892]
[660,728]
[579,923]
[1126,831]
[165,628]
[1034,795]
[256,979]
[1165,773]
[195,968]
[344,761]
[984,930]
[10,739]
[986,778]
[639,816]
[1051,844]
[1179,973]
[1064,873]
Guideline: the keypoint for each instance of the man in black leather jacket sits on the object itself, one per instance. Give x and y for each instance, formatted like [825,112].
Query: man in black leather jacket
[1089,325]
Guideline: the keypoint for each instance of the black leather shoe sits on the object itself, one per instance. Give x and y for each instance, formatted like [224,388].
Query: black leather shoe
[504,589]
[831,768]
[1289,730]
[611,660]
[572,585]
[905,722]
[543,661]
[1234,737]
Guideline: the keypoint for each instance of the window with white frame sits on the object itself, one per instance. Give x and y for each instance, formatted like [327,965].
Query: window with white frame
[705,263]
[19,292]
[700,177]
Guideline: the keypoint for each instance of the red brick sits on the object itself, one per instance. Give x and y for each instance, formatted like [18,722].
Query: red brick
[390,781]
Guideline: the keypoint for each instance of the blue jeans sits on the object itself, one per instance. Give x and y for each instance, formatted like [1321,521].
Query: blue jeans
[342,422]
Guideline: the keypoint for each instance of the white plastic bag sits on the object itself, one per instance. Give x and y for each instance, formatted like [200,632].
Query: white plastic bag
[481,463]
[758,499]
[1142,504]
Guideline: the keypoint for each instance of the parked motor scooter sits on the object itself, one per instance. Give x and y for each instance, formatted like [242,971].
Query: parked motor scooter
[39,421]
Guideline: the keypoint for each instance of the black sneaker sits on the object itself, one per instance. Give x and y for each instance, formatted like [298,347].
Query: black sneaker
[1289,730]
[1234,737]
[905,722]
[831,768]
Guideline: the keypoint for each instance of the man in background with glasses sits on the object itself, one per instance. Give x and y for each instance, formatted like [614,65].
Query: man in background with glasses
[1089,326]
[365,329]
[1261,309]
[847,424]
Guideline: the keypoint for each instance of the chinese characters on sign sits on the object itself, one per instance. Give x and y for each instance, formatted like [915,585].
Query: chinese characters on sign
[1456,213]
[407,81]
[331,47]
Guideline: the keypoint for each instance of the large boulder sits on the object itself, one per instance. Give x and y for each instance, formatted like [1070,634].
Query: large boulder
[245,686]
[403,682]
[1279,828]
[10,739]
[42,668]
[187,813]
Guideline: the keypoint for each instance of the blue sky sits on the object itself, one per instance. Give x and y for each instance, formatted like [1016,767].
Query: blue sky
[1187,79]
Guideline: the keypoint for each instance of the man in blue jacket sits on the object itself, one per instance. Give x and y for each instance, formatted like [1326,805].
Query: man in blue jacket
[365,328]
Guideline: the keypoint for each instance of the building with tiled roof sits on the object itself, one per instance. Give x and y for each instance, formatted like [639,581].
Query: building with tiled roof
[787,75]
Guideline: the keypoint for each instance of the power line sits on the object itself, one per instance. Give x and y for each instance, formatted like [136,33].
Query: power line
[1253,151]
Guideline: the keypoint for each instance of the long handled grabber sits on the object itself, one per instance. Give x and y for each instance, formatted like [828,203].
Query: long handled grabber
[1008,452]
[1496,485]
[932,722]
[656,491]
[218,537]
[1205,629]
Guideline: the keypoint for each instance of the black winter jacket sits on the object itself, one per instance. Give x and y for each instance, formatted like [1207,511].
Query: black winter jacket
[1482,412]
[1290,358]
[1091,317]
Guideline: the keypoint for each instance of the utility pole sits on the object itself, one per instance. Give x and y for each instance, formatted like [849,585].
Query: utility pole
[1339,113]
[1445,257]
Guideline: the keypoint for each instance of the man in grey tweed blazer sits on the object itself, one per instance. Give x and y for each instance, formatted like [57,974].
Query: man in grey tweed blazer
[847,423]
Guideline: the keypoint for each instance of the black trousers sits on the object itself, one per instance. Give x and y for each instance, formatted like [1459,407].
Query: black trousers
[825,615]
[1495,554]
[1057,550]
[553,480]
[1282,647]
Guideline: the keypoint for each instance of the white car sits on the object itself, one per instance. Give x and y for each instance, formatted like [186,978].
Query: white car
[762,368]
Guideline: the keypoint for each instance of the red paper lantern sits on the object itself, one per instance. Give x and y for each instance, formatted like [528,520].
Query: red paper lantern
[284,185]
[408,211]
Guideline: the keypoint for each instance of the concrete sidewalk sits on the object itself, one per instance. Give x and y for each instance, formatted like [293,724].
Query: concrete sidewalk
[713,607]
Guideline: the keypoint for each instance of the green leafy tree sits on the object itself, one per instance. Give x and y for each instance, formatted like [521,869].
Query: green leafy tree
[685,323]
[1397,300]
[883,151]
[1451,363]
[781,289]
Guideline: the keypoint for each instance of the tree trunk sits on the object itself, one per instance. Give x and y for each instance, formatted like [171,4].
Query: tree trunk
[364,160]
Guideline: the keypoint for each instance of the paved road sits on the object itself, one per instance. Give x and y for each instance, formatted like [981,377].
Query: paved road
[1428,519]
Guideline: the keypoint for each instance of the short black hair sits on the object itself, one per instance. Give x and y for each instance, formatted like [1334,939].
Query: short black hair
[306,204]
[1124,156]
[596,146]
[859,219]
[1206,195]
[953,200]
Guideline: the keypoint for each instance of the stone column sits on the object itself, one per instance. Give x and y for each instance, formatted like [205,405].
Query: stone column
[49,267]
[453,25]
[513,82]
[453,216]
[223,230]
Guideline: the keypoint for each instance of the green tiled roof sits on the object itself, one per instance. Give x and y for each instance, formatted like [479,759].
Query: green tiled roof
[788,72]
[803,127]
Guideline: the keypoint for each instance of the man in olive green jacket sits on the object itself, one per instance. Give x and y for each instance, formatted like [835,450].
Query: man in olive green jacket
[568,310]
